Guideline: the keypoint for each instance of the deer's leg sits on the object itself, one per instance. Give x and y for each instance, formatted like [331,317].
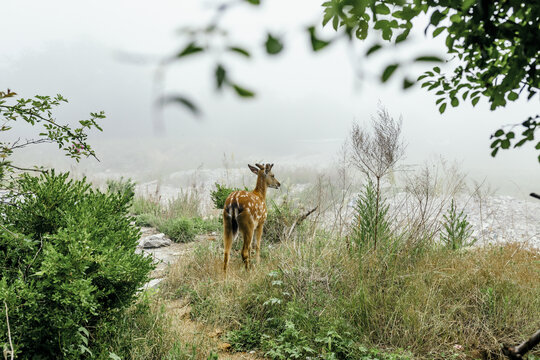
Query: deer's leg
[227,244]
[258,235]
[246,249]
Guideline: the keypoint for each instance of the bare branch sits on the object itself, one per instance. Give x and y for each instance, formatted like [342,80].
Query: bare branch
[517,352]
[11,352]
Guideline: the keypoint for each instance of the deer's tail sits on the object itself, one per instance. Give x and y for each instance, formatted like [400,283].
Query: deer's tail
[233,210]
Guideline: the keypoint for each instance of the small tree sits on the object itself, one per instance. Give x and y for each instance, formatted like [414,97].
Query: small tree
[376,153]
[456,229]
[37,112]
[370,218]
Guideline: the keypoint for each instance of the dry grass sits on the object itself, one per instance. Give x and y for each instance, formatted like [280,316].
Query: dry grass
[425,302]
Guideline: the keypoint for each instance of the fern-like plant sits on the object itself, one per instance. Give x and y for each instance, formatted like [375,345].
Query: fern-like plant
[371,223]
[456,230]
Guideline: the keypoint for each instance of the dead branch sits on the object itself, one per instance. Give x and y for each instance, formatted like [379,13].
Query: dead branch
[299,220]
[535,195]
[517,352]
[6,352]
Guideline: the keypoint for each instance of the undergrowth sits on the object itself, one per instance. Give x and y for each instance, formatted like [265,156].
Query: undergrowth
[315,299]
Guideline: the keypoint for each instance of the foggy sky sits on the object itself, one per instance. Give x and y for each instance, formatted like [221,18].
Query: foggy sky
[304,106]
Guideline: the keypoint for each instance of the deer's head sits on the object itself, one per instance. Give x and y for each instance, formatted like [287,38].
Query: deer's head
[265,172]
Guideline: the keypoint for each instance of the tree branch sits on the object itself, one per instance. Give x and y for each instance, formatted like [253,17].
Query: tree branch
[517,352]
[11,352]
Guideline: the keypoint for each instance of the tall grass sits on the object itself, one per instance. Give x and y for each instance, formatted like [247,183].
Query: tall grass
[321,294]
[425,302]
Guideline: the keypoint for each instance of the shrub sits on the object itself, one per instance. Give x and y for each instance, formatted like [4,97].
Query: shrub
[281,217]
[179,229]
[68,262]
[123,187]
[203,226]
[220,195]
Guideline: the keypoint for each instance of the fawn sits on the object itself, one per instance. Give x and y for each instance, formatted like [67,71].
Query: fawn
[246,211]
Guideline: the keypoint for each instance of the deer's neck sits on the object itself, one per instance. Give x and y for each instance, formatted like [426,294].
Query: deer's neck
[260,189]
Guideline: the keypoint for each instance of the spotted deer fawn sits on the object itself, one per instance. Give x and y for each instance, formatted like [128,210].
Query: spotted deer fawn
[246,211]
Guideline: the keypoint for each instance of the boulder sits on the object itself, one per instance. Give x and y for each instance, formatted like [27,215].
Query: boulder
[154,241]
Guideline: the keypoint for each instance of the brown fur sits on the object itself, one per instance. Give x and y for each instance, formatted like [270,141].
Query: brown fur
[245,211]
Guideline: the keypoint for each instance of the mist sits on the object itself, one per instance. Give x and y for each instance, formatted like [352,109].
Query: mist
[104,56]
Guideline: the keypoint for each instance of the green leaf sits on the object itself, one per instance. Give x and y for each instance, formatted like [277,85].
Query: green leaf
[475,101]
[240,51]
[436,17]
[387,73]
[382,9]
[373,49]
[494,152]
[505,144]
[521,142]
[467,4]
[114,356]
[428,58]
[273,45]
[438,30]
[403,36]
[243,92]
[537,147]
[362,31]
[254,2]
[455,18]
[499,133]
[182,100]
[190,49]
[442,108]
[316,43]
[510,135]
[455,102]
[407,83]
[221,76]
[512,96]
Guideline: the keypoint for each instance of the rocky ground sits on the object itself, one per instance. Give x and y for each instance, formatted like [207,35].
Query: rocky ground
[165,252]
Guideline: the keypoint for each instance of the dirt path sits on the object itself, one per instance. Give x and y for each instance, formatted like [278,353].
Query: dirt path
[178,310]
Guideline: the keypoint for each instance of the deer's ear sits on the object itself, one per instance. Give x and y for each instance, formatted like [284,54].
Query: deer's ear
[253,169]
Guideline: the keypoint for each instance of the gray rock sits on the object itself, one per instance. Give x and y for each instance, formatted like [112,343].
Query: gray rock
[154,241]
[152,284]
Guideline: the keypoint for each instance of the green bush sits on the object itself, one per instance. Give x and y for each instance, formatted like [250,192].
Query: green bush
[124,187]
[179,229]
[281,217]
[203,226]
[67,263]
[220,195]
